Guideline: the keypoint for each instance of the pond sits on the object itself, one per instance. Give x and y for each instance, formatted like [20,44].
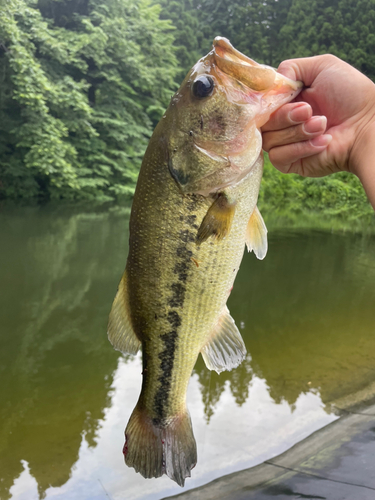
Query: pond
[306,314]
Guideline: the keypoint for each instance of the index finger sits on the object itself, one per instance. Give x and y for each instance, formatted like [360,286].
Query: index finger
[288,115]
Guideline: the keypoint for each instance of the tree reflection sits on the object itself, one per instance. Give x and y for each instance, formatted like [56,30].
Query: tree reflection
[212,385]
[58,283]
[306,314]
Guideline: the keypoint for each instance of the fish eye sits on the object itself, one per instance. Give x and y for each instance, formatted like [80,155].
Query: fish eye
[203,86]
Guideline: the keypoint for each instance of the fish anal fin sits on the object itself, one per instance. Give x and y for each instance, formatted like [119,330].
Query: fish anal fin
[256,235]
[218,219]
[120,330]
[225,350]
[155,448]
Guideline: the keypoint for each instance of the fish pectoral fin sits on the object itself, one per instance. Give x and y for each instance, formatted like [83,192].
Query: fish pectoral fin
[120,330]
[256,235]
[218,219]
[225,349]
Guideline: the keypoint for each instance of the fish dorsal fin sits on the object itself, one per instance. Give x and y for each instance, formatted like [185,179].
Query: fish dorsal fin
[218,219]
[225,349]
[120,330]
[256,235]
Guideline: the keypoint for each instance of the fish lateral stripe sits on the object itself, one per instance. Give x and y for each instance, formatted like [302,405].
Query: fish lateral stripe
[166,357]
[170,339]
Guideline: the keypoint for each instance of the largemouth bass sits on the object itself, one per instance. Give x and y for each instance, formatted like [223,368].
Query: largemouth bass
[194,210]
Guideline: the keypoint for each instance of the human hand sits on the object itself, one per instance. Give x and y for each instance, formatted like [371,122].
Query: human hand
[326,130]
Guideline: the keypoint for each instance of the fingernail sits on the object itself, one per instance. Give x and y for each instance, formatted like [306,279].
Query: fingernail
[315,124]
[321,141]
[300,114]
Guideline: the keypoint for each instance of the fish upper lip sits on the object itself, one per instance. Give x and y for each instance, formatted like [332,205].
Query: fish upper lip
[224,49]
[258,77]
[240,67]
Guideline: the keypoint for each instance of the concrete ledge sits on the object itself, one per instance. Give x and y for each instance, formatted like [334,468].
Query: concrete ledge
[335,463]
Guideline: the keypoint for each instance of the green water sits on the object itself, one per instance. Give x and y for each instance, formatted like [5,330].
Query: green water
[307,315]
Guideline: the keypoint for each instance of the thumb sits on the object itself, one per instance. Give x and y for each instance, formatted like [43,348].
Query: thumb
[305,69]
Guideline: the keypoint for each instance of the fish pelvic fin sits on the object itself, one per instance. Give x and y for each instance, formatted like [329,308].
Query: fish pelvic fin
[155,448]
[218,219]
[225,349]
[120,330]
[256,235]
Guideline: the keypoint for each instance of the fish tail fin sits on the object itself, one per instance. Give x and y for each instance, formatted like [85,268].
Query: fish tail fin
[155,448]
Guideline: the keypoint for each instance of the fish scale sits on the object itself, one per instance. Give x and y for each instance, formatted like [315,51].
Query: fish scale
[194,209]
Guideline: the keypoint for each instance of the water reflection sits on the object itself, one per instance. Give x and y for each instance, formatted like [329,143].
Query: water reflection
[307,319]
[213,385]
[309,313]
[57,275]
[100,470]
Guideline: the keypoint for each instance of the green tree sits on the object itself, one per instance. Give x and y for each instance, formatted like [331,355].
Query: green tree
[187,35]
[83,84]
[252,27]
[345,28]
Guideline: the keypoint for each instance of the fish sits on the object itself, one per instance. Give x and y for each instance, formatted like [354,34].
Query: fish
[194,211]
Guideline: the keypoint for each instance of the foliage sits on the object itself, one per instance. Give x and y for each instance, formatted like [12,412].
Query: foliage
[340,194]
[252,27]
[345,28]
[83,83]
[273,30]
[187,36]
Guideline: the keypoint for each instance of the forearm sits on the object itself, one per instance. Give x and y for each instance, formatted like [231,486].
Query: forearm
[364,162]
